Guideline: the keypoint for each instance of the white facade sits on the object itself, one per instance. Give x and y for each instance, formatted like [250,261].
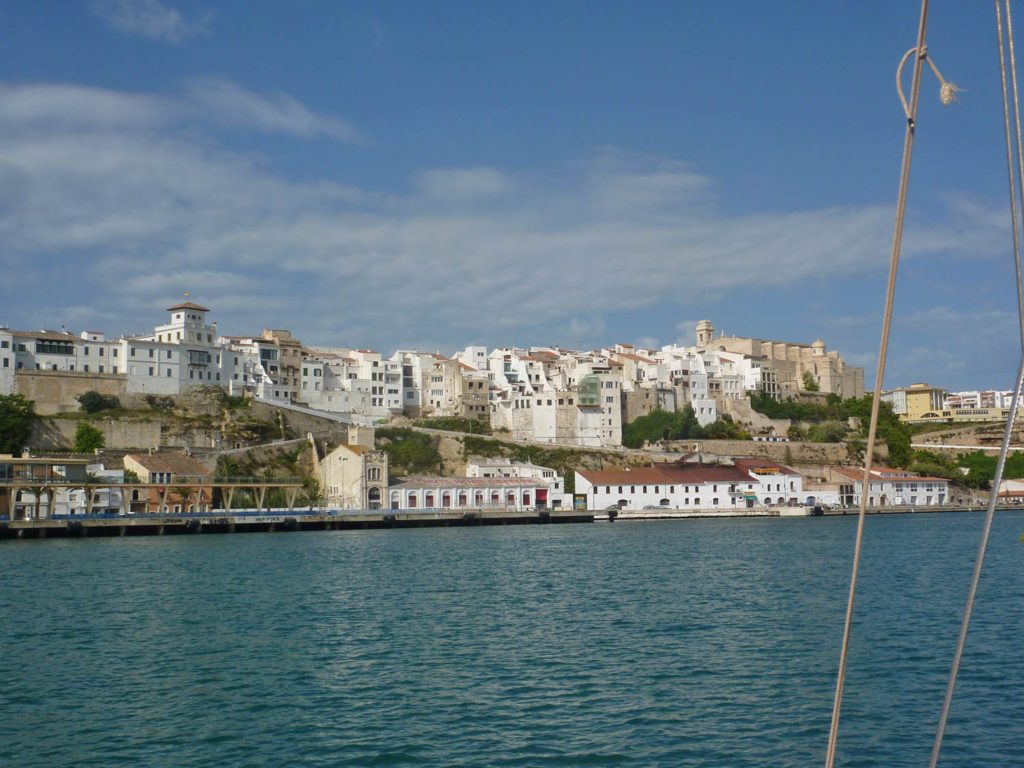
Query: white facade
[7,362]
[749,483]
[894,487]
[502,467]
[468,493]
[63,351]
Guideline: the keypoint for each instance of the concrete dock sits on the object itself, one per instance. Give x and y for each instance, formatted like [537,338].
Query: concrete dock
[278,521]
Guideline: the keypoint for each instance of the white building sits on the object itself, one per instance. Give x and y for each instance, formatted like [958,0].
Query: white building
[467,492]
[355,475]
[892,487]
[7,362]
[553,493]
[183,352]
[748,483]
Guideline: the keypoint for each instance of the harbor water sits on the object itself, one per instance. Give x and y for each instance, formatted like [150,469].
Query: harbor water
[668,643]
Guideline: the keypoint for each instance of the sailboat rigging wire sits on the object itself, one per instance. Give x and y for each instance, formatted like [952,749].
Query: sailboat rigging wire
[901,206]
[1011,417]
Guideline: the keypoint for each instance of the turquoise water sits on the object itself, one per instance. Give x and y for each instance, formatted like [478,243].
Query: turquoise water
[679,643]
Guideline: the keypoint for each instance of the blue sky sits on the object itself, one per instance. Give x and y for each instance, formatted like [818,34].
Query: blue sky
[435,174]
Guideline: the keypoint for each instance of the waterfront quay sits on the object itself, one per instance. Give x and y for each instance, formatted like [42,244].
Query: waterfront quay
[78,526]
[626,515]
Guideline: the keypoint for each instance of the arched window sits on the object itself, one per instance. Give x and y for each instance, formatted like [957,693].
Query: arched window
[526,499]
[412,501]
[428,499]
[479,499]
[396,500]
[446,500]
[463,500]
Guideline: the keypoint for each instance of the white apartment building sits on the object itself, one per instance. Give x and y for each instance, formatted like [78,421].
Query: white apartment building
[564,398]
[185,350]
[62,351]
[975,399]
[7,362]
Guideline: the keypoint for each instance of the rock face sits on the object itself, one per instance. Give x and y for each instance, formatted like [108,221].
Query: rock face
[201,401]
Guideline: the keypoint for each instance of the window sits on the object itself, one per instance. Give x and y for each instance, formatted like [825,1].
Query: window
[151,370]
[101,352]
[151,353]
[85,351]
[53,347]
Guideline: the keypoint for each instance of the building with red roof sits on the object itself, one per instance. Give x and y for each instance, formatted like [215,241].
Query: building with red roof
[681,485]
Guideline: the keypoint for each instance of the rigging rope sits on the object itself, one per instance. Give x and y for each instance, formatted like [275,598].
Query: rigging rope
[1011,417]
[920,51]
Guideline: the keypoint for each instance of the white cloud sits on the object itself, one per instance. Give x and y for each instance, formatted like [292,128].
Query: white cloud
[687,330]
[150,18]
[228,103]
[462,184]
[53,108]
[135,207]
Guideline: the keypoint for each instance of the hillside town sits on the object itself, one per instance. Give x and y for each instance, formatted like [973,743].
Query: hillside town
[540,395]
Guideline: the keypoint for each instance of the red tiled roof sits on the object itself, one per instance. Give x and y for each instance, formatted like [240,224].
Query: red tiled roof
[632,476]
[699,473]
[48,335]
[667,474]
[171,461]
[858,474]
[188,305]
[631,356]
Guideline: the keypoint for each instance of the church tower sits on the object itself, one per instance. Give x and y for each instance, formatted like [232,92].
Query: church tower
[705,333]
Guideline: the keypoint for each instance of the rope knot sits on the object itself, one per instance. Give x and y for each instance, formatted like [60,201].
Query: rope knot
[947,93]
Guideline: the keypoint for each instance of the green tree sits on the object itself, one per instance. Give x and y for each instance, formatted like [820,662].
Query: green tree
[796,432]
[409,450]
[829,432]
[662,425]
[87,438]
[16,417]
[93,402]
[809,383]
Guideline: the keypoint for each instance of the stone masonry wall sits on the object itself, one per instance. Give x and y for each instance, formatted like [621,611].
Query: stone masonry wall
[56,391]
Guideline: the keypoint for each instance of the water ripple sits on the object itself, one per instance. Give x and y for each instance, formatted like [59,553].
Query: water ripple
[710,643]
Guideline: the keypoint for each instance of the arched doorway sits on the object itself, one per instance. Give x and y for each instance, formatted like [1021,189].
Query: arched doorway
[374,498]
